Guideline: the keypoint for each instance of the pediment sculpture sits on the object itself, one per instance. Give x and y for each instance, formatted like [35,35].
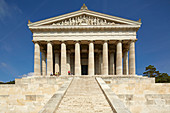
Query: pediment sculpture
[84,20]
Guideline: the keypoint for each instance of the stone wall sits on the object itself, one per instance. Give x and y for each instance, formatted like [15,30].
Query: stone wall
[28,94]
[141,94]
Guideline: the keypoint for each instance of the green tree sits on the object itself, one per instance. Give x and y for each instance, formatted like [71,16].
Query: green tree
[151,71]
[162,78]
[10,82]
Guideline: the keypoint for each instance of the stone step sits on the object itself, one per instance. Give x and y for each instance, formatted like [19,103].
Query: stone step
[84,96]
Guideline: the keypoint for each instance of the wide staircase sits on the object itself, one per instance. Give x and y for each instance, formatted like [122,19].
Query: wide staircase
[84,96]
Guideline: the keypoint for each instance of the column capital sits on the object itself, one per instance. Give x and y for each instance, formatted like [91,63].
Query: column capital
[133,40]
[91,41]
[51,42]
[35,41]
[104,41]
[77,41]
[118,41]
[64,42]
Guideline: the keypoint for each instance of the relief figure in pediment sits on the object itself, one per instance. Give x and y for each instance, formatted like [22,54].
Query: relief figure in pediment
[70,23]
[90,20]
[62,23]
[66,22]
[98,21]
[80,20]
[84,19]
[101,22]
[94,21]
[105,22]
[76,20]
[112,23]
[87,20]
[58,23]
[73,21]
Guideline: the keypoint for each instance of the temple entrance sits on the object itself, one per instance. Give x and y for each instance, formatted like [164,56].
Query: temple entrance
[84,69]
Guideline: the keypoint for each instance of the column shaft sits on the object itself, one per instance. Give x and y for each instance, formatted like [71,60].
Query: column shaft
[77,59]
[57,62]
[97,64]
[68,62]
[43,58]
[100,62]
[119,59]
[91,59]
[105,58]
[49,58]
[132,58]
[125,62]
[112,64]
[63,59]
[37,71]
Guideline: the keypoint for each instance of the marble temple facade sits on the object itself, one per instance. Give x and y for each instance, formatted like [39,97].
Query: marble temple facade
[84,42]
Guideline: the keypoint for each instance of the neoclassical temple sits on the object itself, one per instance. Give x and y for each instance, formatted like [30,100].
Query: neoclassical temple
[84,42]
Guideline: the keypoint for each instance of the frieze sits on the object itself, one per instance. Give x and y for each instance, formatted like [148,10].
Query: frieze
[84,20]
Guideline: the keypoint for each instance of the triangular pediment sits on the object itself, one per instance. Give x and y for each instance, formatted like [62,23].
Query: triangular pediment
[84,17]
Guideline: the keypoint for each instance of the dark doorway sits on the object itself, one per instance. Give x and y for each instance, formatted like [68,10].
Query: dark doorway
[84,69]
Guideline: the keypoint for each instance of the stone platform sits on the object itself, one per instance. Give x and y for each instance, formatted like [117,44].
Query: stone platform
[138,94]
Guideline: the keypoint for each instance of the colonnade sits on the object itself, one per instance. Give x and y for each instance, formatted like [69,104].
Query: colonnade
[45,68]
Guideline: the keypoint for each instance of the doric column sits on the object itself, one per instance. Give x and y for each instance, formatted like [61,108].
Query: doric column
[57,61]
[96,64]
[132,58]
[105,58]
[49,58]
[119,58]
[91,59]
[112,64]
[63,59]
[68,61]
[77,59]
[125,61]
[43,62]
[37,70]
[100,63]
[72,62]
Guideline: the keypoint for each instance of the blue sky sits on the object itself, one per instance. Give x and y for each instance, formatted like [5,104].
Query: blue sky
[16,47]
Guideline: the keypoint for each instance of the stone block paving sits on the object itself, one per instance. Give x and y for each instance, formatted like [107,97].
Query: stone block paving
[84,96]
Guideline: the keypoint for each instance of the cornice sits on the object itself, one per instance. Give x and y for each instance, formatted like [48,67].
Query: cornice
[83,27]
[79,35]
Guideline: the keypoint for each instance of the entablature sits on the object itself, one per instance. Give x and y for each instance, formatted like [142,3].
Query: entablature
[84,27]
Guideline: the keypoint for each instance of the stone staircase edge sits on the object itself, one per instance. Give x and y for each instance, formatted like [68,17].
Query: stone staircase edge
[110,96]
[55,100]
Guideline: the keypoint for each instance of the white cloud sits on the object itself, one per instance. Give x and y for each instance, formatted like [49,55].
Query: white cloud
[3,64]
[27,75]
[7,68]
[6,10]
